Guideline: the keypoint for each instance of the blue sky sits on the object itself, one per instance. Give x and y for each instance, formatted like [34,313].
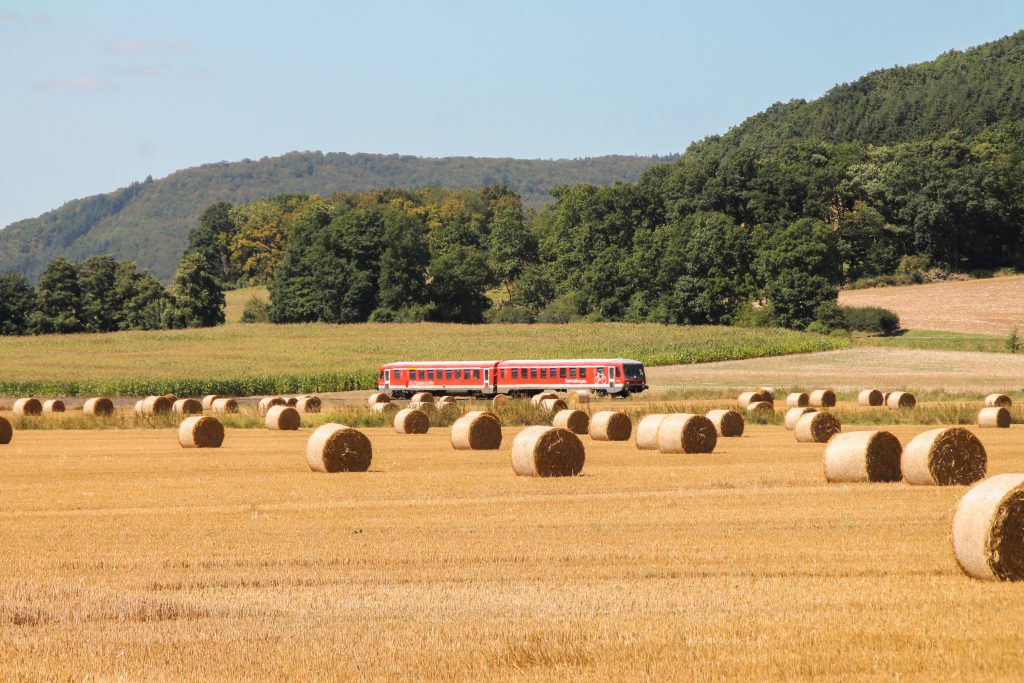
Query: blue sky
[98,94]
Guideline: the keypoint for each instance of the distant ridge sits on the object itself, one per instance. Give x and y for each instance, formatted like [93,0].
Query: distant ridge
[148,222]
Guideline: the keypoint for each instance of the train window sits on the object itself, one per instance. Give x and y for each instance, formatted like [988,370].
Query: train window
[398,374]
[533,373]
[572,373]
[447,374]
[583,373]
[430,374]
[515,373]
[561,373]
[543,373]
[412,374]
[476,374]
[501,373]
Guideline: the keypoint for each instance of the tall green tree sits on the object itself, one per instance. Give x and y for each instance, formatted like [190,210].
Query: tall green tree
[17,302]
[97,277]
[198,295]
[800,265]
[459,278]
[212,239]
[59,299]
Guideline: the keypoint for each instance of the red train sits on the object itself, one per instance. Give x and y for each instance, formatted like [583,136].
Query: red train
[615,376]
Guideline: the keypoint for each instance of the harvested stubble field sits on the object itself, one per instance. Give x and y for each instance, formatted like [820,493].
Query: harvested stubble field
[127,557]
[987,306]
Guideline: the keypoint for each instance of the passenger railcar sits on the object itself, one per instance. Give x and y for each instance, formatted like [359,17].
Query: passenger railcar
[615,376]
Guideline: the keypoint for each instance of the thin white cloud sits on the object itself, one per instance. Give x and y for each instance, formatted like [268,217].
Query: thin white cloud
[140,46]
[78,84]
[140,70]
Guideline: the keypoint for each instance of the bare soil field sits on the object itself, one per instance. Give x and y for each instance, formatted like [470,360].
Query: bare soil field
[988,306]
[956,372]
[127,558]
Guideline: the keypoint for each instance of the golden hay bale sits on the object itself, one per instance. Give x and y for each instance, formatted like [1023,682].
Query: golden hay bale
[760,407]
[187,406]
[446,401]
[422,397]
[101,406]
[579,397]
[900,399]
[309,404]
[208,400]
[647,431]
[478,430]
[793,416]
[28,406]
[727,423]
[547,452]
[576,421]
[610,425]
[336,448]
[988,529]
[378,397]
[267,401]
[552,405]
[155,405]
[542,396]
[863,456]
[870,398]
[822,398]
[816,427]
[944,456]
[384,408]
[6,431]
[171,397]
[998,401]
[748,397]
[427,407]
[138,407]
[767,391]
[200,432]
[283,417]
[291,401]
[798,400]
[54,405]
[411,421]
[685,433]
[224,406]
[499,400]
[885,398]
[994,417]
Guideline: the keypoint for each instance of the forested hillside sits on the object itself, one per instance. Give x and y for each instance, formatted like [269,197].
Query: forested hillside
[148,222]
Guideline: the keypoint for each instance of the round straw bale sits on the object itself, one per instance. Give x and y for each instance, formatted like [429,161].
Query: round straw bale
[944,456]
[309,404]
[869,398]
[283,417]
[101,406]
[988,529]
[427,407]
[576,421]
[336,448]
[422,397]
[760,407]
[727,422]
[994,417]
[6,431]
[686,433]
[477,430]
[793,416]
[885,398]
[798,400]
[542,396]
[411,421]
[863,456]
[208,401]
[822,398]
[291,401]
[610,425]
[552,405]
[171,397]
[998,401]
[384,408]
[53,405]
[378,397]
[28,406]
[816,427]
[267,401]
[138,407]
[155,405]
[223,406]
[547,452]
[767,391]
[499,400]
[579,397]
[200,432]
[647,431]
[748,397]
[446,401]
[900,399]
[187,406]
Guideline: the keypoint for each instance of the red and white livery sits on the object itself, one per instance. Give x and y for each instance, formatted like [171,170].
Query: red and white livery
[615,376]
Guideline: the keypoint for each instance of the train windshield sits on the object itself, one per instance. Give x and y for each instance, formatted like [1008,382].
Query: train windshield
[633,371]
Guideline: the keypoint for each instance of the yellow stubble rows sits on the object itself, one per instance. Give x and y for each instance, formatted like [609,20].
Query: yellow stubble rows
[128,557]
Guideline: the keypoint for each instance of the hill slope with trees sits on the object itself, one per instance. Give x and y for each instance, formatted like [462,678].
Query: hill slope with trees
[148,222]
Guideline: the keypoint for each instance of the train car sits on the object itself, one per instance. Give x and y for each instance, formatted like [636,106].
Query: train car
[455,378]
[604,376]
[614,376]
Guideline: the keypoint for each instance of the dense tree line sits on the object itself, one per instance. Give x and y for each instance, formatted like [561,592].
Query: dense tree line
[102,294]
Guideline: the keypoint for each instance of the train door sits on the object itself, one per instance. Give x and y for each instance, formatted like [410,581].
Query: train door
[387,380]
[487,380]
[611,376]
